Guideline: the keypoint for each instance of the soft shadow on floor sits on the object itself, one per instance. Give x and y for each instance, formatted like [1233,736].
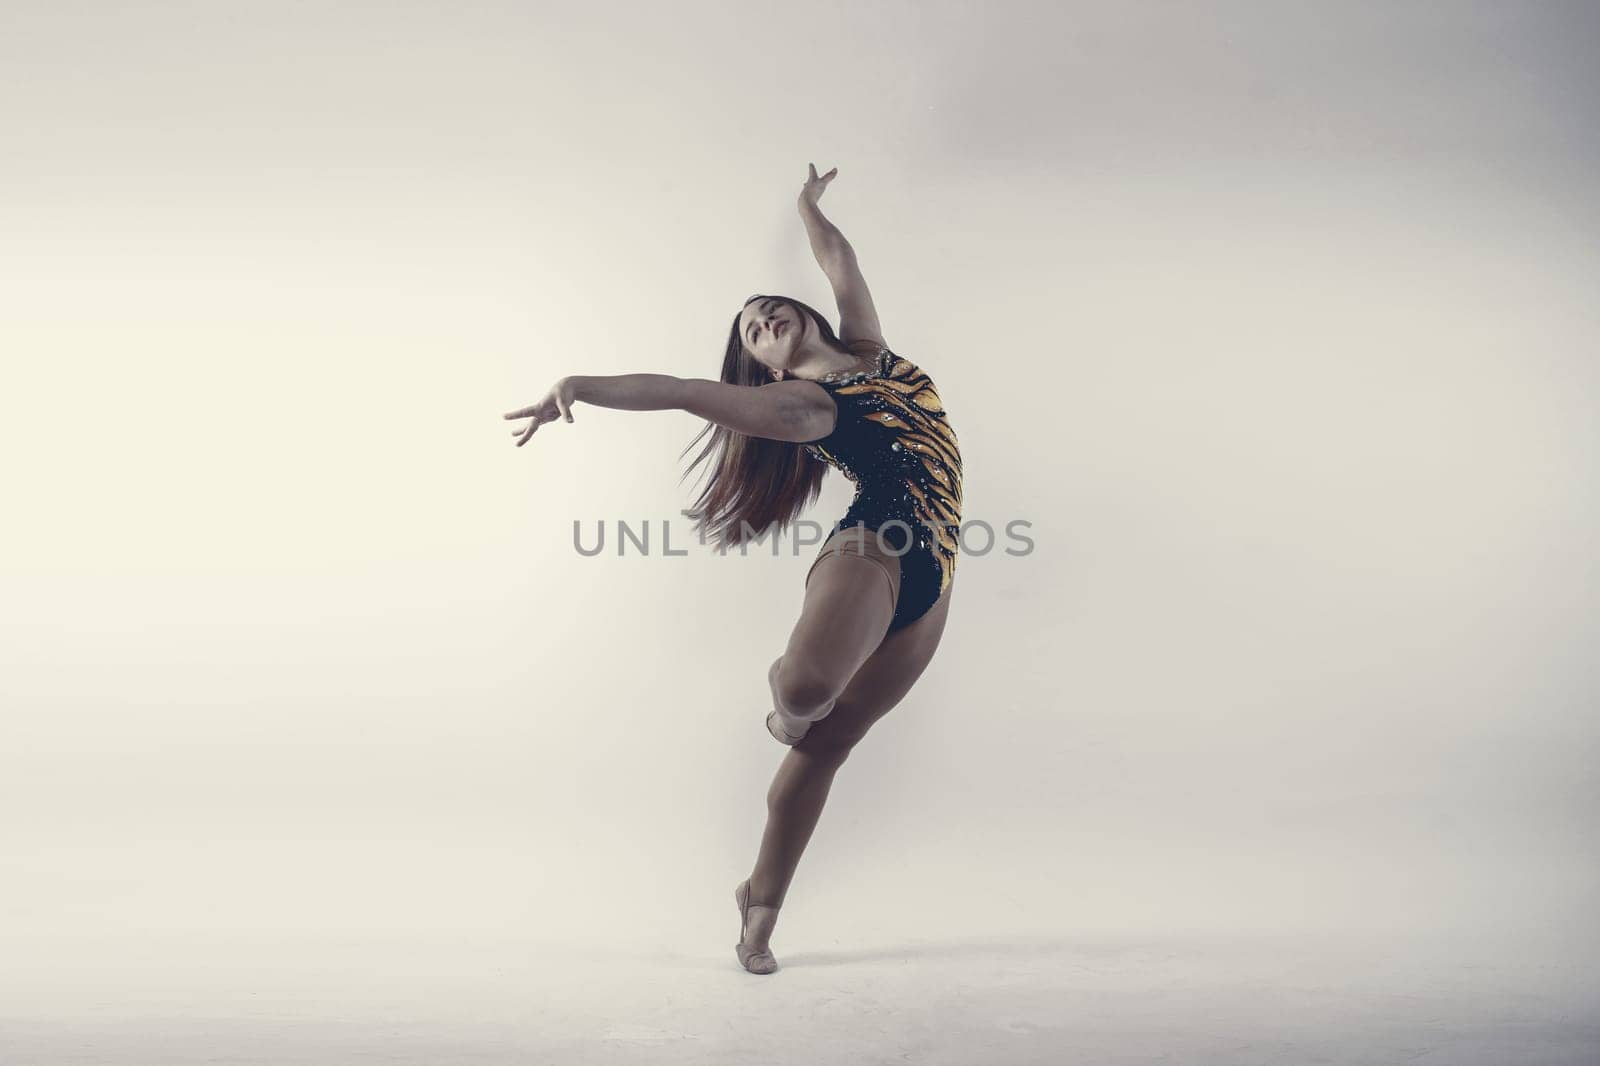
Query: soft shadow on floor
[956,949]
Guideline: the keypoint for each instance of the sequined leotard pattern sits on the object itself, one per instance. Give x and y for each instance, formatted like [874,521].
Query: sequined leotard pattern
[894,439]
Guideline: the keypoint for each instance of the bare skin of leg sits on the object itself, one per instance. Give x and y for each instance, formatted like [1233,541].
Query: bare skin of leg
[832,668]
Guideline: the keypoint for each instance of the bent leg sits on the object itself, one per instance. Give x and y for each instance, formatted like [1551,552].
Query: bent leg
[880,684]
[850,597]
[800,787]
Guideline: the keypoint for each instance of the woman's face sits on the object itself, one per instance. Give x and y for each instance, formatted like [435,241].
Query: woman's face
[771,330]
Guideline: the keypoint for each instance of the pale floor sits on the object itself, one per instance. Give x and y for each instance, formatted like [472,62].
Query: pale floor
[1093,999]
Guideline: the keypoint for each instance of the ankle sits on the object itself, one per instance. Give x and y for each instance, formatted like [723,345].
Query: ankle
[759,895]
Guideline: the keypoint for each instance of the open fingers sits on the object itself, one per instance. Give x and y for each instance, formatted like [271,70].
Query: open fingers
[521,433]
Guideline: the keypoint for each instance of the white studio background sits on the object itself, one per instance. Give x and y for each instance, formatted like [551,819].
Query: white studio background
[1276,321]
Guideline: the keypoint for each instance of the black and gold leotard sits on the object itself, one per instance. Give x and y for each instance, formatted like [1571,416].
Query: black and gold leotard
[893,438]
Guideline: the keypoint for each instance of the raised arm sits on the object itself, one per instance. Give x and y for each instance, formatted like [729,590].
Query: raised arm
[858,319]
[794,410]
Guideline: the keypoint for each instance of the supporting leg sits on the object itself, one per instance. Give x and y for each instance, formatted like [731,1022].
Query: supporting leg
[800,788]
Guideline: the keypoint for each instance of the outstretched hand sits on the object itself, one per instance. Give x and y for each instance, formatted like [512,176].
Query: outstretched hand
[557,403]
[812,190]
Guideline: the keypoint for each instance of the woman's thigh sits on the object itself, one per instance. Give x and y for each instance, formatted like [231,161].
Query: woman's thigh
[850,595]
[880,683]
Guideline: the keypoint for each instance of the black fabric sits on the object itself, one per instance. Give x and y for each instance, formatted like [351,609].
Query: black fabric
[893,438]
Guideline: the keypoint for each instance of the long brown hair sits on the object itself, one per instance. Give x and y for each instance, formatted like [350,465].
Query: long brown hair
[756,483]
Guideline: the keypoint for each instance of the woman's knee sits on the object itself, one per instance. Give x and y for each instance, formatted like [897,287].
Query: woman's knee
[801,692]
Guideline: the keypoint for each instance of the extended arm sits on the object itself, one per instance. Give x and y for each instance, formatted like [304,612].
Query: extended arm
[794,410]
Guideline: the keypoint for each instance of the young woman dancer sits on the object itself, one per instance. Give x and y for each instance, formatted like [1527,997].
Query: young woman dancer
[877,595]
